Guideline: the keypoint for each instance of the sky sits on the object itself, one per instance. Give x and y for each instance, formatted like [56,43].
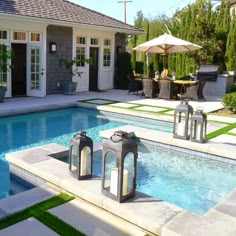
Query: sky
[150,8]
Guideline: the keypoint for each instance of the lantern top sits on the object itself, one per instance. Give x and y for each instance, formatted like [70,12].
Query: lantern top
[80,134]
[118,136]
[184,107]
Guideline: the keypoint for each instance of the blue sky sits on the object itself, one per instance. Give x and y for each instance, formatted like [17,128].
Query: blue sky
[150,8]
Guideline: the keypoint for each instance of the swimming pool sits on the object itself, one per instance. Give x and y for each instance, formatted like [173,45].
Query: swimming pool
[180,177]
[28,130]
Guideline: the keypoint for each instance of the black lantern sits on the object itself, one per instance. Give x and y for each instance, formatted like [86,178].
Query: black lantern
[181,120]
[198,126]
[81,156]
[119,163]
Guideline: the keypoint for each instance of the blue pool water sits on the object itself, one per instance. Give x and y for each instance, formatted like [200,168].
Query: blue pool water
[189,181]
[25,131]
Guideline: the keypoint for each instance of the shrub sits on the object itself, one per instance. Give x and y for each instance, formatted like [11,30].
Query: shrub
[229,101]
[232,88]
[122,70]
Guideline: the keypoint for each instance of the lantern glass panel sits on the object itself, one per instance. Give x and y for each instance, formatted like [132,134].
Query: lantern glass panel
[180,124]
[111,173]
[85,165]
[128,174]
[74,164]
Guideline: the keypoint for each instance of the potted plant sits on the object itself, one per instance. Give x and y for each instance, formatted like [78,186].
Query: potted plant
[5,55]
[70,87]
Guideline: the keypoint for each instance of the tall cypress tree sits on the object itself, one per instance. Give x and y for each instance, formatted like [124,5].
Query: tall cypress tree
[231,45]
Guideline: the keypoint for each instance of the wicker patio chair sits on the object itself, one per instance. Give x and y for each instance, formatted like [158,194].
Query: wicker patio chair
[195,90]
[150,88]
[168,89]
[2,93]
[135,85]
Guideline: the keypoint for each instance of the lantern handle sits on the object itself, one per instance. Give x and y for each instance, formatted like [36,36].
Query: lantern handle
[199,108]
[118,135]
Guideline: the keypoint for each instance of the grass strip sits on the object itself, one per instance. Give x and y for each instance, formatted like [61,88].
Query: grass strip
[221,131]
[56,224]
[40,209]
[230,133]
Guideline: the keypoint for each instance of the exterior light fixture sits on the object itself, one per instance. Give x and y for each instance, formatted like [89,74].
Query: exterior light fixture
[52,47]
[81,156]
[198,126]
[119,164]
[181,120]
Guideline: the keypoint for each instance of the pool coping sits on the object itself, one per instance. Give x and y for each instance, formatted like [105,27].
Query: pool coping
[153,215]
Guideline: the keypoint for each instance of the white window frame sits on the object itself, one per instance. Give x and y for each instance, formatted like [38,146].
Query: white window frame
[19,31]
[7,39]
[107,47]
[79,45]
[94,45]
[33,32]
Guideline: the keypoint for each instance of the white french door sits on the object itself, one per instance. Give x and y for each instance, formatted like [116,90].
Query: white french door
[35,71]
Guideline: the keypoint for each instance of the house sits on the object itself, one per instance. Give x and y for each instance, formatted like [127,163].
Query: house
[43,32]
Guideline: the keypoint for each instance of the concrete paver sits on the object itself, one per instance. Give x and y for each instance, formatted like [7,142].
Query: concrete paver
[94,221]
[29,227]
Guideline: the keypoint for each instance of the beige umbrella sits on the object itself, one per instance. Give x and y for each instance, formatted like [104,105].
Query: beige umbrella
[166,43]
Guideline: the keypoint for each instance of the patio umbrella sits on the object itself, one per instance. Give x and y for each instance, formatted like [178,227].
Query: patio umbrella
[166,43]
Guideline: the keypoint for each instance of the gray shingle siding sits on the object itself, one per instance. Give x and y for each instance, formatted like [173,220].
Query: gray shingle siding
[55,73]
[62,10]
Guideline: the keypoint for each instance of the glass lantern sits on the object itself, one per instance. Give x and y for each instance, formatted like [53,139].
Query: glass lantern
[182,115]
[81,156]
[119,164]
[198,126]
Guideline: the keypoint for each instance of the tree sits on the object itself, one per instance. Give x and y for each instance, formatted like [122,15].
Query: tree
[231,45]
[5,55]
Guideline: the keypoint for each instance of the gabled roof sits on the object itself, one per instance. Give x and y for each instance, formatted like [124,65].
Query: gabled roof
[64,11]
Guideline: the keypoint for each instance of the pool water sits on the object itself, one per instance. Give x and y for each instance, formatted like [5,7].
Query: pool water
[179,177]
[29,130]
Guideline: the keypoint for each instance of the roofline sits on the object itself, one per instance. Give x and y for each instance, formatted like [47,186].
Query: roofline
[69,23]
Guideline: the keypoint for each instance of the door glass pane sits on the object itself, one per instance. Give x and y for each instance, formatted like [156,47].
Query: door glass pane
[3,68]
[35,67]
[128,174]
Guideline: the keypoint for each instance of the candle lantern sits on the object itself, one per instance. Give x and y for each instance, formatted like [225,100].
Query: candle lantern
[119,163]
[198,126]
[81,156]
[182,115]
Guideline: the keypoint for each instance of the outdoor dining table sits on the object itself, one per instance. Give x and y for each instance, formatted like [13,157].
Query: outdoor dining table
[183,83]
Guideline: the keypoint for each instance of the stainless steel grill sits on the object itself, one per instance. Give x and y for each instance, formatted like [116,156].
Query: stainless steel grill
[208,72]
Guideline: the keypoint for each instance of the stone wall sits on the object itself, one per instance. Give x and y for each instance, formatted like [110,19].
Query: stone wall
[56,74]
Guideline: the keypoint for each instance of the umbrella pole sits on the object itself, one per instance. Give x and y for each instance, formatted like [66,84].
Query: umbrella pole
[147,62]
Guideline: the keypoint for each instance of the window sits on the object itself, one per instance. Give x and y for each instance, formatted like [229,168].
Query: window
[107,52]
[80,51]
[19,36]
[80,56]
[107,42]
[94,41]
[3,34]
[80,40]
[35,37]
[3,68]
[106,57]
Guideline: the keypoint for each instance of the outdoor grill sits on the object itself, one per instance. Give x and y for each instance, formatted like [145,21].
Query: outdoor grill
[208,72]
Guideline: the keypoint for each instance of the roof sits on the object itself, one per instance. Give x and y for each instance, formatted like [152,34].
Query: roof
[62,10]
